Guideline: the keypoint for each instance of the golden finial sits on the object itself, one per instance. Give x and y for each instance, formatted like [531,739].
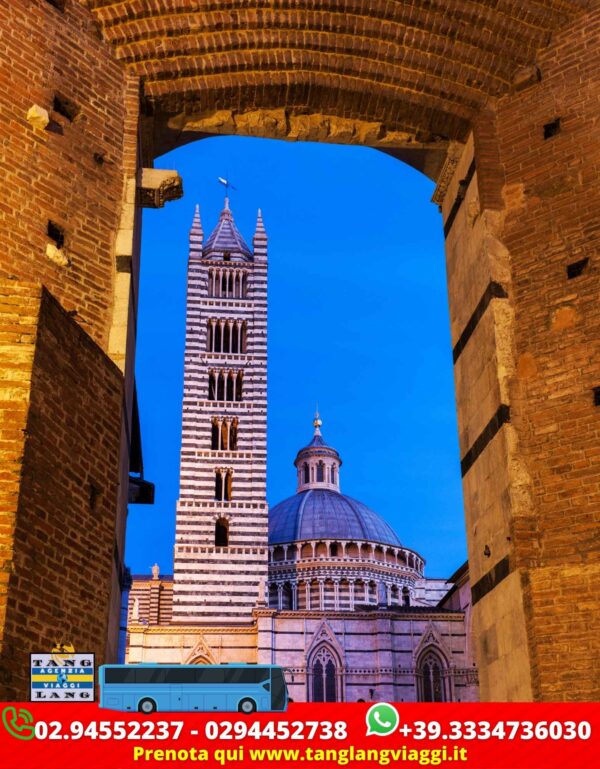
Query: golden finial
[317,421]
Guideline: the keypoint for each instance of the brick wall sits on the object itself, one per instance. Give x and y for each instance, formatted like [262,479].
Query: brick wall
[553,199]
[527,359]
[59,531]
[70,173]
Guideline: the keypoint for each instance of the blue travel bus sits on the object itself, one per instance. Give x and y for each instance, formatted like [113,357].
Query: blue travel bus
[235,687]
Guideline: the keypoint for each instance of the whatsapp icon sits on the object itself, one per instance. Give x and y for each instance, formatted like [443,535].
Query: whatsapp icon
[382,719]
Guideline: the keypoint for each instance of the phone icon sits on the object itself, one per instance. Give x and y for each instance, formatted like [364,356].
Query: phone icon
[379,720]
[19,723]
[382,719]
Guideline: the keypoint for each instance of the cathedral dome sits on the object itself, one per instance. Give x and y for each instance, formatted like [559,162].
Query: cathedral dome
[319,510]
[326,514]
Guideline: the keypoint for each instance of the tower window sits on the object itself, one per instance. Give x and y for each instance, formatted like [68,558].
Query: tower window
[212,386]
[333,473]
[214,435]
[218,486]
[306,473]
[233,435]
[320,472]
[221,533]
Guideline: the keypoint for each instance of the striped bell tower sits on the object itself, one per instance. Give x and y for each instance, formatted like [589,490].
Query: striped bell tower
[221,530]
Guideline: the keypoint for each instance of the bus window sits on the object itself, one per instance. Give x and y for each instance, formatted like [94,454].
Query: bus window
[209,675]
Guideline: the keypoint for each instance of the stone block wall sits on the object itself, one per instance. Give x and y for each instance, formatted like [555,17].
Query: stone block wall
[522,241]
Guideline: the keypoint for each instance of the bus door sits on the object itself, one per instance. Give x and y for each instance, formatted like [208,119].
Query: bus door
[211,688]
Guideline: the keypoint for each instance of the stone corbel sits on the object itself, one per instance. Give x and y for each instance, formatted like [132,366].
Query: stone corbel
[156,186]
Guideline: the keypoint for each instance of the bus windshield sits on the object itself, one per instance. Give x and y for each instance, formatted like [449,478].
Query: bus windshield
[150,688]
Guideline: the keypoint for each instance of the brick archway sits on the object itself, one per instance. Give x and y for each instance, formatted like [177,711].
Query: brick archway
[495,100]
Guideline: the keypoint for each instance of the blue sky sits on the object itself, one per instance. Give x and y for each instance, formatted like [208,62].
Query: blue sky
[358,321]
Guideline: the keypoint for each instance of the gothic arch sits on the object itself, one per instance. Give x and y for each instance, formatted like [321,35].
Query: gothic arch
[325,667]
[200,654]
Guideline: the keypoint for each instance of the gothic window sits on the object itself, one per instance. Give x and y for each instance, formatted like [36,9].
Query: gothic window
[221,533]
[324,676]
[405,597]
[238,387]
[230,385]
[320,472]
[431,679]
[228,486]
[214,439]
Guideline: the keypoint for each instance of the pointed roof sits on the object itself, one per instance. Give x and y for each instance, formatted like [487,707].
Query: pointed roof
[226,237]
[317,445]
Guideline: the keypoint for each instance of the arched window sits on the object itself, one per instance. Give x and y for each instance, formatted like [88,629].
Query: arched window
[244,338]
[218,486]
[430,670]
[320,472]
[214,437]
[405,597]
[224,435]
[324,676]
[217,347]
[224,284]
[235,338]
[333,473]
[238,387]
[209,336]
[229,395]
[221,387]
[306,473]
[233,435]
[228,485]
[226,337]
[212,386]
[221,533]
[244,285]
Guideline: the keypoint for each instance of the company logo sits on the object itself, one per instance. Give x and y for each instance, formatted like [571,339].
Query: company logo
[18,723]
[382,719]
[62,675]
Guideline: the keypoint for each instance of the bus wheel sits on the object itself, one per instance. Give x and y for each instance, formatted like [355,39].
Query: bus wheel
[247,706]
[147,706]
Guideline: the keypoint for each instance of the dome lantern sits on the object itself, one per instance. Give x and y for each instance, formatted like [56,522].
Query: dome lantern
[318,464]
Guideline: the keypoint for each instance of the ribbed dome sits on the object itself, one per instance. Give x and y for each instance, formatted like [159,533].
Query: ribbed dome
[325,514]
